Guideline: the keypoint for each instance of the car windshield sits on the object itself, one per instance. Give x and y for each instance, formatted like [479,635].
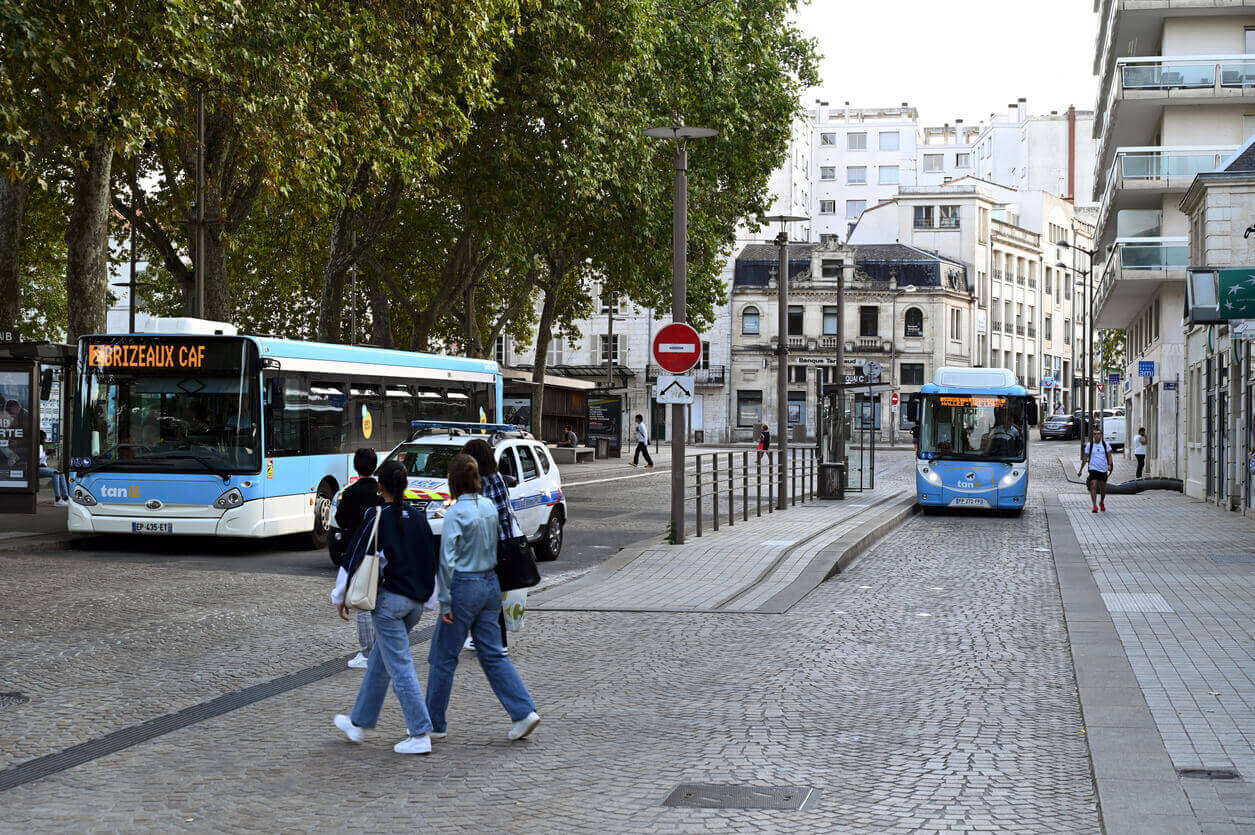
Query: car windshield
[169,405]
[973,427]
[425,460]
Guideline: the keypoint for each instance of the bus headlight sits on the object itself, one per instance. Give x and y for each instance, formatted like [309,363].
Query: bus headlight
[930,475]
[1010,478]
[233,498]
[83,497]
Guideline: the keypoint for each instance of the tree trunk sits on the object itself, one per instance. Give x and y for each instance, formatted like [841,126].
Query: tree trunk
[87,239]
[331,303]
[380,314]
[543,336]
[13,194]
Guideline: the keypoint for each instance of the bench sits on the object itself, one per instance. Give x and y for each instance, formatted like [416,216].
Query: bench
[572,455]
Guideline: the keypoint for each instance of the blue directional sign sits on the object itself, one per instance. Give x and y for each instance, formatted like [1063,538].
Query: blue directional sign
[1114,378]
[1146,368]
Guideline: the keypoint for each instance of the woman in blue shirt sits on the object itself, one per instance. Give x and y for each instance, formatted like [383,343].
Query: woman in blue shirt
[470,598]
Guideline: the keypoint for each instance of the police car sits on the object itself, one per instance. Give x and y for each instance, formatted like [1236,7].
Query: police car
[525,463]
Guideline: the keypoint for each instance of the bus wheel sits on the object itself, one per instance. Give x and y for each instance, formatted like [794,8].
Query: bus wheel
[550,544]
[321,533]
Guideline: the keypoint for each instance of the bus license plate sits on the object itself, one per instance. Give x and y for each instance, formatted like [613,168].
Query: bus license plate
[970,503]
[152,527]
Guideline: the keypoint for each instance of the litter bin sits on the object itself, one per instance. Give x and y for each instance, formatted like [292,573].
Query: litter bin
[603,447]
[699,436]
[832,480]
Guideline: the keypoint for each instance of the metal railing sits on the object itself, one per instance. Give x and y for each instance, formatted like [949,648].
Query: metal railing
[1032,331]
[1019,279]
[997,275]
[720,478]
[1032,282]
[997,326]
[1019,330]
[1007,327]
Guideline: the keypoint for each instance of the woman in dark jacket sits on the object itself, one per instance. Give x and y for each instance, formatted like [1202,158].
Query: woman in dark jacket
[357,498]
[406,581]
[498,491]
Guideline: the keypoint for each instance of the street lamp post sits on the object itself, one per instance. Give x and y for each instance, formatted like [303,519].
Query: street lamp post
[893,361]
[679,135]
[782,356]
[1088,306]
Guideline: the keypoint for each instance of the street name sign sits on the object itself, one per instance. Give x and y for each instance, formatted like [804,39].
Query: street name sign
[677,348]
[677,391]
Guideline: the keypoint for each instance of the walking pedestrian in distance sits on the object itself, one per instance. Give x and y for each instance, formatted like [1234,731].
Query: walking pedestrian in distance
[495,490]
[642,443]
[764,442]
[407,578]
[1139,449]
[470,598]
[1097,456]
[357,498]
[60,489]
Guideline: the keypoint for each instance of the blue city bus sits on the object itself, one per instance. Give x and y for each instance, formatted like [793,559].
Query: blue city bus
[193,429]
[972,441]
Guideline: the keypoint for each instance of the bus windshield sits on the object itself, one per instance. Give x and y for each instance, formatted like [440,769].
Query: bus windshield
[973,427]
[169,405]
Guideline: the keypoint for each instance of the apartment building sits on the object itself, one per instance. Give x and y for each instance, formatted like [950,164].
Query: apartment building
[1022,281]
[1176,99]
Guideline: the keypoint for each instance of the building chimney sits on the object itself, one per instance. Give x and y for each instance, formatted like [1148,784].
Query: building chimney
[1071,196]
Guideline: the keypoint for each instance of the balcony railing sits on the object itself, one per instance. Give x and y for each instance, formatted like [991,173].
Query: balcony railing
[997,326]
[1019,330]
[997,275]
[1019,279]
[1032,282]
[1185,73]
[1032,331]
[1007,327]
[1032,383]
[797,341]
[948,223]
[1138,257]
[1163,163]
[712,376]
[868,343]
[829,342]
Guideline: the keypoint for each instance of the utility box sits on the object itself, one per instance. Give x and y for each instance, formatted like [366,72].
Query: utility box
[831,480]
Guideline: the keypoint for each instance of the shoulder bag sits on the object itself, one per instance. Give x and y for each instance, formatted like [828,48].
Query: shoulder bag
[516,565]
[364,584]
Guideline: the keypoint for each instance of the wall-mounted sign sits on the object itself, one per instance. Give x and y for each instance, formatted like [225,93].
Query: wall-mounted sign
[1146,368]
[1236,289]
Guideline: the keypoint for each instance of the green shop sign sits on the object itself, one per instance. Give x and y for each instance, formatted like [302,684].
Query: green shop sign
[1237,293]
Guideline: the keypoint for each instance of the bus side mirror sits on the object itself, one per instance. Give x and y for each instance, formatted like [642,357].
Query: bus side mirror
[1032,412]
[912,408]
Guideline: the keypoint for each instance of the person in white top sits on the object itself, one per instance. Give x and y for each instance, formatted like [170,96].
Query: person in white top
[642,443]
[60,489]
[1139,449]
[1097,456]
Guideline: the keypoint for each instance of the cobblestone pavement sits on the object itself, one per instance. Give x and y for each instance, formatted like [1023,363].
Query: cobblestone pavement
[1178,577]
[929,688]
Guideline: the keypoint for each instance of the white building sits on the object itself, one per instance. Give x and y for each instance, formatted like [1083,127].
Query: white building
[1053,153]
[1176,98]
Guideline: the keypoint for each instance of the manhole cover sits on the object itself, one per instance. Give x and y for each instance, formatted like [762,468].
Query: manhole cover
[13,699]
[702,796]
[1209,773]
[1231,558]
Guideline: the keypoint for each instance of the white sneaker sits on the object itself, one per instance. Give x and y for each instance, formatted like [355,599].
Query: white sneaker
[358,662]
[414,745]
[438,734]
[62,503]
[524,726]
[505,650]
[470,643]
[353,732]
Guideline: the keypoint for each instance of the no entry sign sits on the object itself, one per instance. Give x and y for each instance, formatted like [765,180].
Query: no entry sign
[677,347]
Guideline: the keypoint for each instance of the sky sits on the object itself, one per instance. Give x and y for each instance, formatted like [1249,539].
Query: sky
[953,59]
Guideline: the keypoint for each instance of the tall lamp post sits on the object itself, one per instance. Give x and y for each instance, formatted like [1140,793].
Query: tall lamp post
[782,355]
[1089,325]
[679,135]
[893,362]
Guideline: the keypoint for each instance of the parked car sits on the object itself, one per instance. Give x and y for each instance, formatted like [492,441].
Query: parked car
[1060,427]
[1114,431]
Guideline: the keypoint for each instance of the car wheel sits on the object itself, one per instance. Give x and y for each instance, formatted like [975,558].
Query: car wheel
[321,533]
[549,547]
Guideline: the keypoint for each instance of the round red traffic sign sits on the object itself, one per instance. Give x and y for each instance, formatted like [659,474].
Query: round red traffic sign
[894,399]
[677,347]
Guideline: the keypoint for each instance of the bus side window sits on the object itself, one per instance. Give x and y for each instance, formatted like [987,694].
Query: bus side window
[325,417]
[286,404]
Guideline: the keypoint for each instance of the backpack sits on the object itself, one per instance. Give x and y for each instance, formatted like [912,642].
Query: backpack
[1111,462]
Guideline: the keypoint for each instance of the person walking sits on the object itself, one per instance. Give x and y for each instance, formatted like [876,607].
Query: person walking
[60,489]
[642,443]
[1097,456]
[1139,449]
[357,498]
[494,489]
[470,598]
[407,578]
[764,443]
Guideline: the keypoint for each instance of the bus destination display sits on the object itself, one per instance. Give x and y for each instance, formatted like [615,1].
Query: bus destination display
[164,355]
[975,401]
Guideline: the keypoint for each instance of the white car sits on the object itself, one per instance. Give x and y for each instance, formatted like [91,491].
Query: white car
[1114,431]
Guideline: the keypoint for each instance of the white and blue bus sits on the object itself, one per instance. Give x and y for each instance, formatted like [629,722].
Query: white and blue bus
[972,442]
[193,429]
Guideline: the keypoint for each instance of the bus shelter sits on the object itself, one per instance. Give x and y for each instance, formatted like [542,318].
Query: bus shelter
[847,426]
[35,397]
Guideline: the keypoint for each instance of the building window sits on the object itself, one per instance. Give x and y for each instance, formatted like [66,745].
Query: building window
[1047,327]
[914,322]
[704,362]
[932,162]
[830,268]
[956,325]
[890,141]
[795,320]
[888,175]
[749,321]
[749,408]
[830,320]
[923,217]
[554,353]
[854,208]
[620,348]
[856,142]
[962,161]
[827,172]
[949,217]
[829,239]
[827,207]
[827,139]
[797,374]
[868,320]
[856,175]
[912,374]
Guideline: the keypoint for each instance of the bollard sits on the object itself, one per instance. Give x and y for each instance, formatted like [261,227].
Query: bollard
[731,491]
[758,484]
[714,491]
[698,473]
[771,482]
[745,486]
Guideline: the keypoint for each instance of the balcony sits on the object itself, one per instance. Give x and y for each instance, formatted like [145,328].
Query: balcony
[829,343]
[1032,283]
[1019,330]
[1139,177]
[996,327]
[997,274]
[1032,331]
[714,375]
[797,342]
[870,345]
[1134,272]
[1007,327]
[1019,279]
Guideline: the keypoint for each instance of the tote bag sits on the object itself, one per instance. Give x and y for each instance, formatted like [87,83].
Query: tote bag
[516,565]
[364,584]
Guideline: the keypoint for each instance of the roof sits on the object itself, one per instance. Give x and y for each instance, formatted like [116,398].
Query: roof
[1006,391]
[590,371]
[756,264]
[524,375]
[1243,160]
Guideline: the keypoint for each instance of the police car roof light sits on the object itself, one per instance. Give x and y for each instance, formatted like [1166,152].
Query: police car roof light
[465,426]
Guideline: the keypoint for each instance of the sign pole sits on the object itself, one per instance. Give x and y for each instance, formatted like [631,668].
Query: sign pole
[679,313]
[782,367]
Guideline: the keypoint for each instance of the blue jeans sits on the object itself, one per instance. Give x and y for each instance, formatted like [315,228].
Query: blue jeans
[59,487]
[476,603]
[394,617]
